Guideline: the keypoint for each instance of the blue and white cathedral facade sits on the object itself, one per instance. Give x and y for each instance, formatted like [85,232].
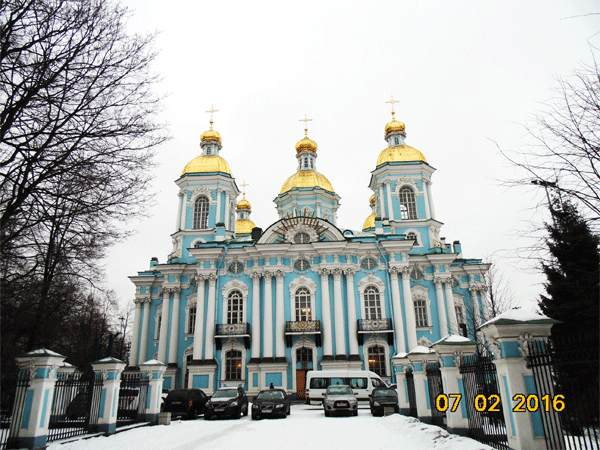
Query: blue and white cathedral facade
[235,304]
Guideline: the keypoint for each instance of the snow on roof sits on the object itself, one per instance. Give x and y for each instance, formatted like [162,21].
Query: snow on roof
[454,339]
[400,355]
[517,315]
[421,349]
[44,352]
[153,362]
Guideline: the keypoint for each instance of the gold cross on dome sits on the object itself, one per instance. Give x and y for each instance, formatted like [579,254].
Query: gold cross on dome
[392,101]
[243,185]
[211,111]
[305,120]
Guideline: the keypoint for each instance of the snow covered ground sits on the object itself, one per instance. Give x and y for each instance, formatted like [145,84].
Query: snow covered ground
[305,428]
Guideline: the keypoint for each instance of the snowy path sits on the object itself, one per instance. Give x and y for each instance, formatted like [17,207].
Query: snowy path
[305,428]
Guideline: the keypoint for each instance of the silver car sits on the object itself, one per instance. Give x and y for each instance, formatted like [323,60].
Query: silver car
[340,398]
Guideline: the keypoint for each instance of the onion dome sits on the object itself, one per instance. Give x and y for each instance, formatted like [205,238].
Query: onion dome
[206,163]
[306,179]
[305,144]
[401,153]
[394,126]
[369,222]
[244,226]
[372,200]
[211,136]
[243,204]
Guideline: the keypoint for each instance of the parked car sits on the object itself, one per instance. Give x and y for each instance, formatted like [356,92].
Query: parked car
[185,402]
[383,400]
[271,403]
[227,401]
[362,383]
[340,399]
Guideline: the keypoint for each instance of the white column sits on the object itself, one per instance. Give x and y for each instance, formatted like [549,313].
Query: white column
[279,318]
[451,308]
[226,215]
[319,209]
[145,323]
[199,327]
[133,353]
[383,210]
[326,313]
[476,310]
[255,315]
[164,327]
[409,310]
[218,216]
[439,295]
[352,326]
[209,343]
[268,329]
[426,195]
[398,325]
[389,198]
[183,210]
[178,221]
[338,305]
[431,202]
[174,327]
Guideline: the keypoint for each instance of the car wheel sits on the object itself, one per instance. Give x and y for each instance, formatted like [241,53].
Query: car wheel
[355,413]
[246,410]
[327,413]
[193,415]
[207,416]
[255,416]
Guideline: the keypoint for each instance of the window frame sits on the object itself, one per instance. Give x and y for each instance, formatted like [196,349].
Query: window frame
[200,216]
[408,203]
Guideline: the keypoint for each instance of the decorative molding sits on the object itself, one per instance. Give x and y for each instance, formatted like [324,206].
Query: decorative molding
[495,347]
[198,191]
[301,228]
[406,181]
[234,285]
[371,280]
[302,281]
[524,340]
[424,342]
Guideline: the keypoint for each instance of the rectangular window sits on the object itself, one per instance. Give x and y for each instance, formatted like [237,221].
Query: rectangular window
[192,320]
[421,313]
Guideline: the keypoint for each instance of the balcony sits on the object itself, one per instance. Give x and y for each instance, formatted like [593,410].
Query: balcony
[293,328]
[370,326]
[226,330]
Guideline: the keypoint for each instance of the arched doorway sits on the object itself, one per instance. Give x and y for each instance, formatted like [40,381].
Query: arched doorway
[304,363]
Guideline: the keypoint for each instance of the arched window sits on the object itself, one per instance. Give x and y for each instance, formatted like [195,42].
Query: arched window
[412,235]
[302,238]
[421,313]
[408,204]
[201,213]
[372,303]
[235,307]
[302,303]
[377,360]
[233,365]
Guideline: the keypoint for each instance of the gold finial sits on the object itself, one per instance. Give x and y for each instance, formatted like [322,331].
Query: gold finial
[243,185]
[392,101]
[305,120]
[211,111]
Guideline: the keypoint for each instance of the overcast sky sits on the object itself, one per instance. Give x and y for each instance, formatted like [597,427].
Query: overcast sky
[467,76]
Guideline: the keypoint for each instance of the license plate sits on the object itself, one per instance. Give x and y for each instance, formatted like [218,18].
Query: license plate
[176,403]
[219,409]
[388,410]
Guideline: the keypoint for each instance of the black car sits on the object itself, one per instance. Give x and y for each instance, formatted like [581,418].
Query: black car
[227,401]
[271,403]
[185,402]
[383,400]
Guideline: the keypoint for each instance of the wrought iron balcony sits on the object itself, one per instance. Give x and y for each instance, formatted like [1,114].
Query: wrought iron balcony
[375,326]
[302,327]
[227,330]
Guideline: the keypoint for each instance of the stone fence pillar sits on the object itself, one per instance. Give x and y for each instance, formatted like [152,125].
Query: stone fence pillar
[41,368]
[449,350]
[109,371]
[508,335]
[419,357]
[154,371]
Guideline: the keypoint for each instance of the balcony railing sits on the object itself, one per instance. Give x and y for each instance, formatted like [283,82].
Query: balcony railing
[375,326]
[293,328]
[227,330]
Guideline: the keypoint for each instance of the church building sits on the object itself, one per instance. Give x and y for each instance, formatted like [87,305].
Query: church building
[235,304]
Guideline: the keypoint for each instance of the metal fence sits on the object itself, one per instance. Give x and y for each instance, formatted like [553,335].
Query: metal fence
[412,396]
[75,405]
[486,419]
[565,370]
[434,383]
[13,394]
[132,398]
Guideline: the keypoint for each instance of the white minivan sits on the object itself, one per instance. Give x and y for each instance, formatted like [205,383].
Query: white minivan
[362,383]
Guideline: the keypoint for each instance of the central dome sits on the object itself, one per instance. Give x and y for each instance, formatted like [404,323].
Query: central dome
[402,153]
[206,163]
[306,179]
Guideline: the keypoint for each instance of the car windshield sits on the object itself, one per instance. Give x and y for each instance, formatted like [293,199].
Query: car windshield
[226,393]
[384,393]
[339,390]
[177,395]
[270,395]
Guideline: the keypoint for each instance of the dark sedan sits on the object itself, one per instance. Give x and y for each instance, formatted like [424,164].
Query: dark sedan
[383,401]
[271,403]
[185,402]
[227,401]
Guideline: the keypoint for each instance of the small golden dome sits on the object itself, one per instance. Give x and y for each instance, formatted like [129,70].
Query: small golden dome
[306,144]
[306,179]
[372,199]
[243,204]
[211,136]
[394,125]
[244,226]
[400,153]
[206,163]
[370,222]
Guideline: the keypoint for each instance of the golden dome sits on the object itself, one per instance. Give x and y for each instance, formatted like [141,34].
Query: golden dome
[306,179]
[206,163]
[400,153]
[306,144]
[370,222]
[243,204]
[394,125]
[244,226]
[211,136]
[372,199]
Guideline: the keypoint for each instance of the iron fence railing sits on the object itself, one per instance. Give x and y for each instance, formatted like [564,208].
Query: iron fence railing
[434,383]
[13,394]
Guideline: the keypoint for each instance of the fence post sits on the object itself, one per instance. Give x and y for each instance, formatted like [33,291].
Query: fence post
[154,371]
[109,371]
[419,357]
[401,362]
[449,350]
[40,365]
[508,335]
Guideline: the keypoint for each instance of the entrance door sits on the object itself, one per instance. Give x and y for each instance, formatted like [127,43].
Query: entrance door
[301,384]
[304,358]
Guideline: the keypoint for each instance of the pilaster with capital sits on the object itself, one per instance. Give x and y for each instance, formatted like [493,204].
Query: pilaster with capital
[199,326]
[340,332]
[326,314]
[279,317]
[218,217]
[256,331]
[209,336]
[133,354]
[441,306]
[451,307]
[164,325]
[352,323]
[143,348]
[174,339]
[397,310]
[268,321]
[409,310]
[388,185]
